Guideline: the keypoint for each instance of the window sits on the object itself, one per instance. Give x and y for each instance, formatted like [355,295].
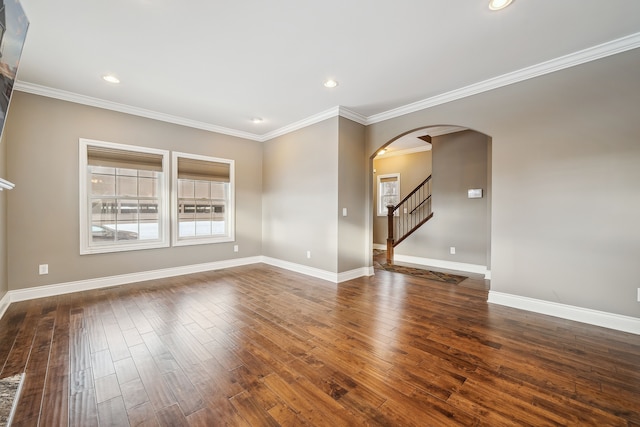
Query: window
[388,192]
[203,200]
[123,203]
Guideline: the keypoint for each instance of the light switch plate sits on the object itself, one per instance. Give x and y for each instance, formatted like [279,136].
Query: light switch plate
[474,193]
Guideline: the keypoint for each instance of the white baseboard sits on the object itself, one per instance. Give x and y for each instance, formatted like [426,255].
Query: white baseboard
[318,273]
[569,312]
[105,282]
[4,303]
[379,246]
[447,265]
[354,274]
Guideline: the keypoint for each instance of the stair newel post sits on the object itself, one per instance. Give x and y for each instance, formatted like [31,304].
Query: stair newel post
[390,209]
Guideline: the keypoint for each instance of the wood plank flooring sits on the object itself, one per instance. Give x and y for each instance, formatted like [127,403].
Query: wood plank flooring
[261,346]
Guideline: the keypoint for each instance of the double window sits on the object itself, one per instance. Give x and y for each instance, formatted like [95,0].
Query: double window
[124,198]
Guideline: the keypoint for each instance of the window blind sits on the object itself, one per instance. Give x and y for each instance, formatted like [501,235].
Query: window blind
[203,170]
[114,158]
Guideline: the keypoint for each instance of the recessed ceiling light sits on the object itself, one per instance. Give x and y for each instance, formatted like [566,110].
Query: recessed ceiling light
[330,83]
[381,152]
[499,4]
[110,78]
[257,120]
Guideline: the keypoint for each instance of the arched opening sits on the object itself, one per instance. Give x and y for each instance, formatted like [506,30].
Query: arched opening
[458,236]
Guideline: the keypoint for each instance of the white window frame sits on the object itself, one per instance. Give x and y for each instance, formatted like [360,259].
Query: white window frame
[382,209]
[176,240]
[86,247]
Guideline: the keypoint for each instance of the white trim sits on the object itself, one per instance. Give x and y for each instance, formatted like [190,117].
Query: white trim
[352,115]
[311,120]
[318,273]
[106,282]
[127,109]
[86,248]
[230,214]
[5,301]
[354,274]
[123,279]
[6,185]
[447,265]
[569,312]
[593,53]
[303,269]
[382,247]
[383,210]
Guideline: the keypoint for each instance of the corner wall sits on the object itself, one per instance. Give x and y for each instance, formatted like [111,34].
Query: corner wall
[42,160]
[565,203]
[300,196]
[352,196]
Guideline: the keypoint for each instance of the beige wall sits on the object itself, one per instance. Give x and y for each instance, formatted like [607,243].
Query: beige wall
[352,174]
[565,206]
[4,283]
[413,169]
[565,175]
[309,176]
[459,164]
[300,196]
[42,151]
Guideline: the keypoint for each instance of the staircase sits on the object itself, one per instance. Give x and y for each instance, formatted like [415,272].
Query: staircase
[408,215]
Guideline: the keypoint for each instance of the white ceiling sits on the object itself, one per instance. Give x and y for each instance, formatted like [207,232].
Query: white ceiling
[219,64]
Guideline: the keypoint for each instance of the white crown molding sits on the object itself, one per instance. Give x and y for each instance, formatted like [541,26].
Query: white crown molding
[316,118]
[569,312]
[123,108]
[352,115]
[613,47]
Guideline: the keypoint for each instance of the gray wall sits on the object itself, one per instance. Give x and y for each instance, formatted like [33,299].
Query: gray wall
[565,203]
[352,195]
[459,164]
[42,151]
[300,196]
[413,169]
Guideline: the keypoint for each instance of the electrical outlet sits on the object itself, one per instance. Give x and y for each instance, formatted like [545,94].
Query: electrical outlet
[235,248]
[43,269]
[638,294]
[452,250]
[344,211]
[308,254]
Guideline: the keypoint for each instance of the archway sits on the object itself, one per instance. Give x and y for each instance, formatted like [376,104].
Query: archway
[458,237]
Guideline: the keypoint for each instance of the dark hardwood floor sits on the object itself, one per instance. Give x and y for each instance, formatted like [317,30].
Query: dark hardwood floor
[256,345]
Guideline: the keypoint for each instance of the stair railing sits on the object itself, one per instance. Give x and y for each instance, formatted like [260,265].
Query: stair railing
[408,215]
